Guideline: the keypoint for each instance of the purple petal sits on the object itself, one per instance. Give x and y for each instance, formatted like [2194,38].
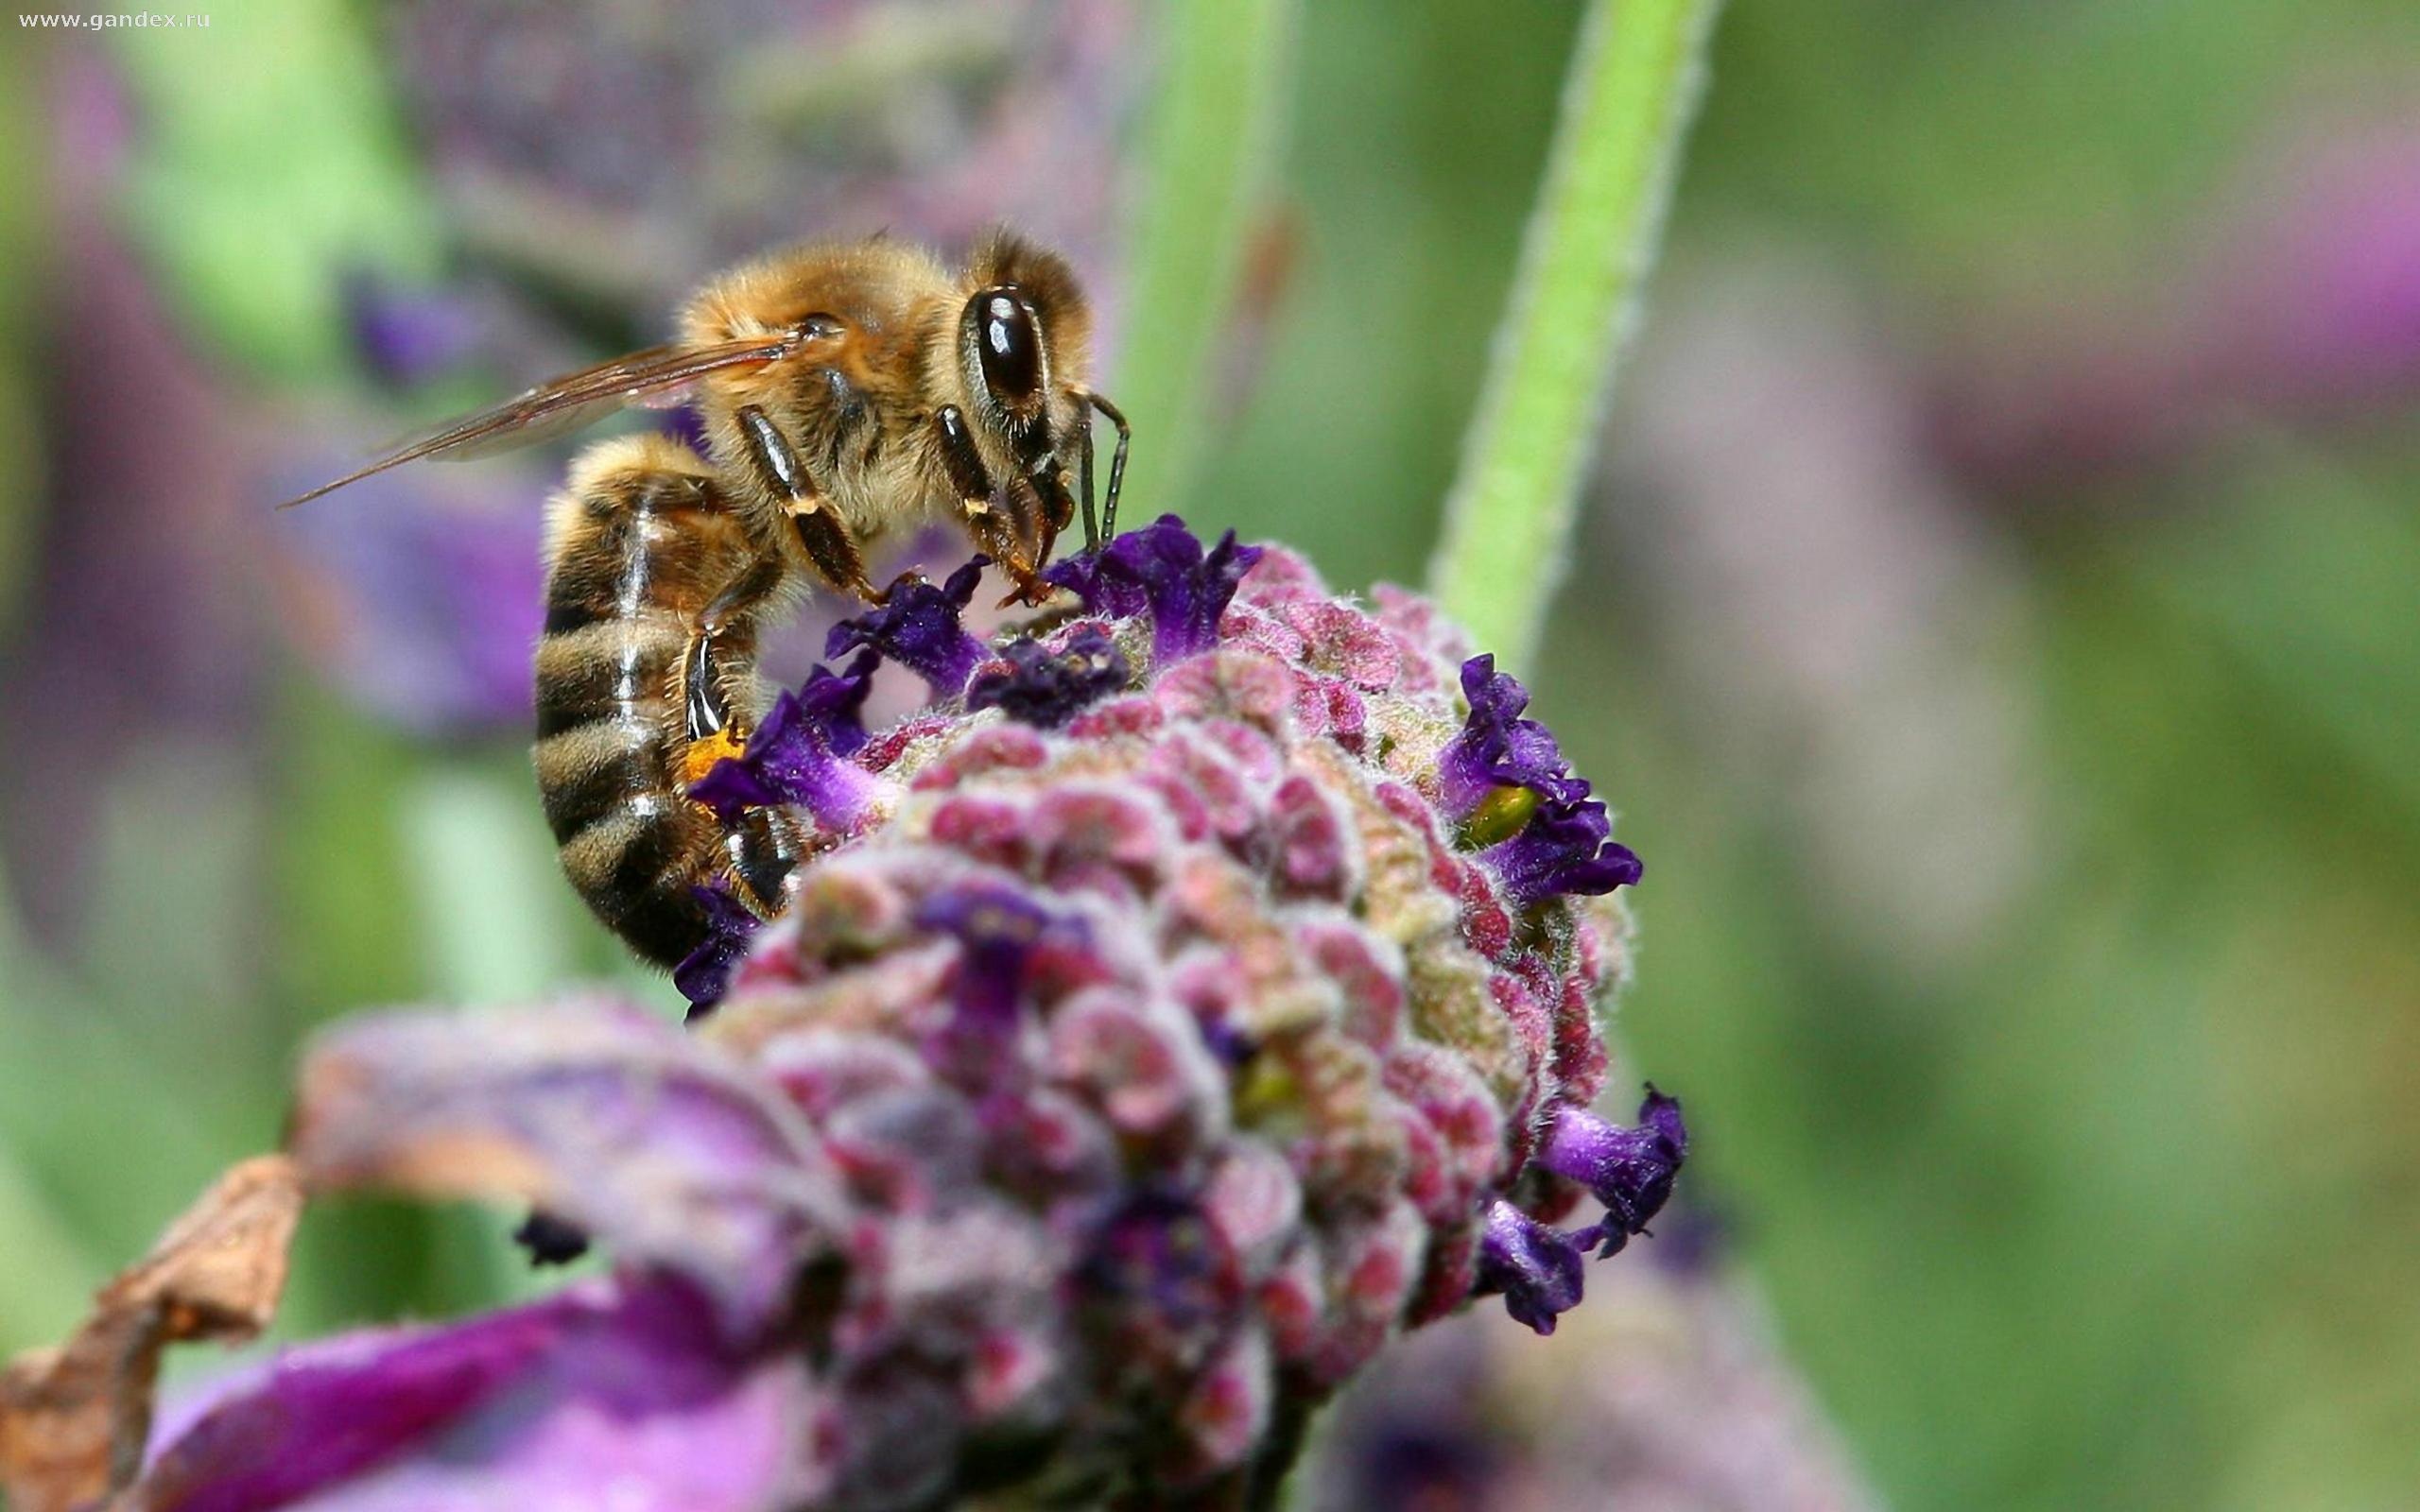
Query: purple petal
[434,591]
[618,1385]
[919,629]
[1505,783]
[1565,848]
[1629,1170]
[1162,570]
[704,974]
[1537,1269]
[1498,748]
[799,754]
[654,1142]
[1045,688]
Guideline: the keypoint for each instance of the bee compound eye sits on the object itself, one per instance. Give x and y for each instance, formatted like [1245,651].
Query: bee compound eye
[1007,346]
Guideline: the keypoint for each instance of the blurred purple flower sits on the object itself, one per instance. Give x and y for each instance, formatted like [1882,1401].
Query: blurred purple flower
[423,593]
[1666,1392]
[2299,301]
[409,335]
[1106,1096]
[615,1385]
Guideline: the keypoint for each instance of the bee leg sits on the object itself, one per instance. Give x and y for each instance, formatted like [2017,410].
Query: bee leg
[1057,508]
[741,595]
[704,695]
[1117,472]
[834,552]
[994,526]
[757,851]
[820,531]
[1084,483]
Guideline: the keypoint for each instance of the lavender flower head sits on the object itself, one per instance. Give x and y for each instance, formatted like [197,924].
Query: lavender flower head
[1195,994]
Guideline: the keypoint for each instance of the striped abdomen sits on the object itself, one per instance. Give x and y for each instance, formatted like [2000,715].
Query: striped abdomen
[639,544]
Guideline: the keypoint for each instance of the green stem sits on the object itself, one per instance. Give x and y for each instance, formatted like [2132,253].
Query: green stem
[1626,108]
[1212,141]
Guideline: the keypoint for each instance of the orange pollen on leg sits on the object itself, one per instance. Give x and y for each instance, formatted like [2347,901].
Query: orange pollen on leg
[700,757]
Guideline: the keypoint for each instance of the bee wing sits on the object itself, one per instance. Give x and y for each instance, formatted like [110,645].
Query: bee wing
[564,405]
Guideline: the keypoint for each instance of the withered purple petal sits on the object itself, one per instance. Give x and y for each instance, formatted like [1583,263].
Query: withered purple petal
[661,1147]
[1537,1269]
[1046,687]
[799,754]
[1629,1170]
[919,629]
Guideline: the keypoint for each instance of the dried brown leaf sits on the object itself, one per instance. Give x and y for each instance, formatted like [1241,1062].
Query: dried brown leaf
[74,1419]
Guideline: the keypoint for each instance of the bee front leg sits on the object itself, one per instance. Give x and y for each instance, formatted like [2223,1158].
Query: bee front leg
[1058,507]
[995,528]
[1116,471]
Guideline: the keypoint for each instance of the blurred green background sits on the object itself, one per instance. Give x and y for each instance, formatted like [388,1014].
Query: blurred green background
[1997,614]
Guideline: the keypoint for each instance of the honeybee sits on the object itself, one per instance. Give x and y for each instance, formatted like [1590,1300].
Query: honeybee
[847,390]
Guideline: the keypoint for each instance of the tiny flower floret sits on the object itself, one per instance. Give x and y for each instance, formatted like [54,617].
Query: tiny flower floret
[1504,780]
[1159,1249]
[1162,571]
[1537,1269]
[1629,1170]
[1045,688]
[1498,748]
[799,754]
[919,629]
[998,931]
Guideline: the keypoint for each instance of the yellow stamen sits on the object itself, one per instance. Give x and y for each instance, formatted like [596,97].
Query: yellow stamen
[1500,815]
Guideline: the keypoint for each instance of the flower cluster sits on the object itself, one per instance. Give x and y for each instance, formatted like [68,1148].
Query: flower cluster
[1196,993]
